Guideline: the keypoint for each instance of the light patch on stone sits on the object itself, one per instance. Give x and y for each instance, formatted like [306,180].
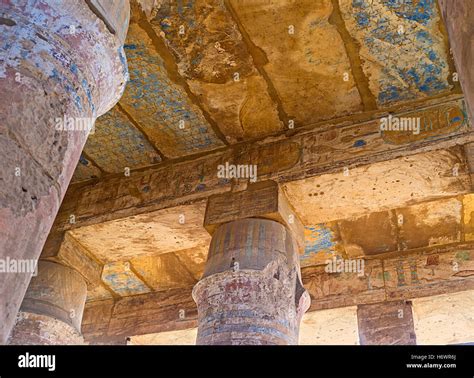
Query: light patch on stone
[148,234]
[468,217]
[163,272]
[181,337]
[336,326]
[444,319]
[379,186]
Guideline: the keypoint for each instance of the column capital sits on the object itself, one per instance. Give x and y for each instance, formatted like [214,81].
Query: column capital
[264,200]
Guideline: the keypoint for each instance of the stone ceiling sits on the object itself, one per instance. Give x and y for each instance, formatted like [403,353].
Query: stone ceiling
[209,76]
[209,73]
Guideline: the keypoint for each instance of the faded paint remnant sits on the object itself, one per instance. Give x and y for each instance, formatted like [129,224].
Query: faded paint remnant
[391,33]
[210,51]
[131,148]
[122,280]
[162,108]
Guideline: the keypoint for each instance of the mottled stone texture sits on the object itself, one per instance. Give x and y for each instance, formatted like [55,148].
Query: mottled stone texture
[251,292]
[460,24]
[51,312]
[58,62]
[387,323]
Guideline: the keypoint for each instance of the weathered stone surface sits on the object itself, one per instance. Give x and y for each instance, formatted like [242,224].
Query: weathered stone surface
[163,272]
[444,319]
[72,254]
[160,232]
[304,56]
[439,271]
[430,223]
[160,102]
[371,234]
[57,291]
[388,323]
[251,291]
[174,309]
[330,327]
[114,321]
[460,27]
[51,71]
[304,155]
[35,329]
[468,217]
[330,290]
[379,186]
[210,52]
[402,48]
[52,309]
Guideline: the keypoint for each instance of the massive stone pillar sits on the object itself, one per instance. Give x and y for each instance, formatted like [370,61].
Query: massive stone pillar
[459,19]
[51,312]
[386,323]
[251,292]
[61,66]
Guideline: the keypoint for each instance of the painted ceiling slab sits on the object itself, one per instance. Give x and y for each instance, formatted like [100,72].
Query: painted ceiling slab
[215,60]
[163,109]
[127,146]
[154,233]
[163,272]
[322,243]
[304,56]
[119,277]
[403,48]
[379,186]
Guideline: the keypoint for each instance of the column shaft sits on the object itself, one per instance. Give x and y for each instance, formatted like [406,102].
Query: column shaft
[251,292]
[51,312]
[60,68]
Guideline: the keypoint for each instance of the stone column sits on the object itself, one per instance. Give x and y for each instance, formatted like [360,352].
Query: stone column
[459,20]
[251,292]
[386,323]
[61,66]
[51,312]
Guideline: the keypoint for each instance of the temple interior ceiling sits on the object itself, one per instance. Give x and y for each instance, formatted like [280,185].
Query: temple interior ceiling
[300,90]
[206,74]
